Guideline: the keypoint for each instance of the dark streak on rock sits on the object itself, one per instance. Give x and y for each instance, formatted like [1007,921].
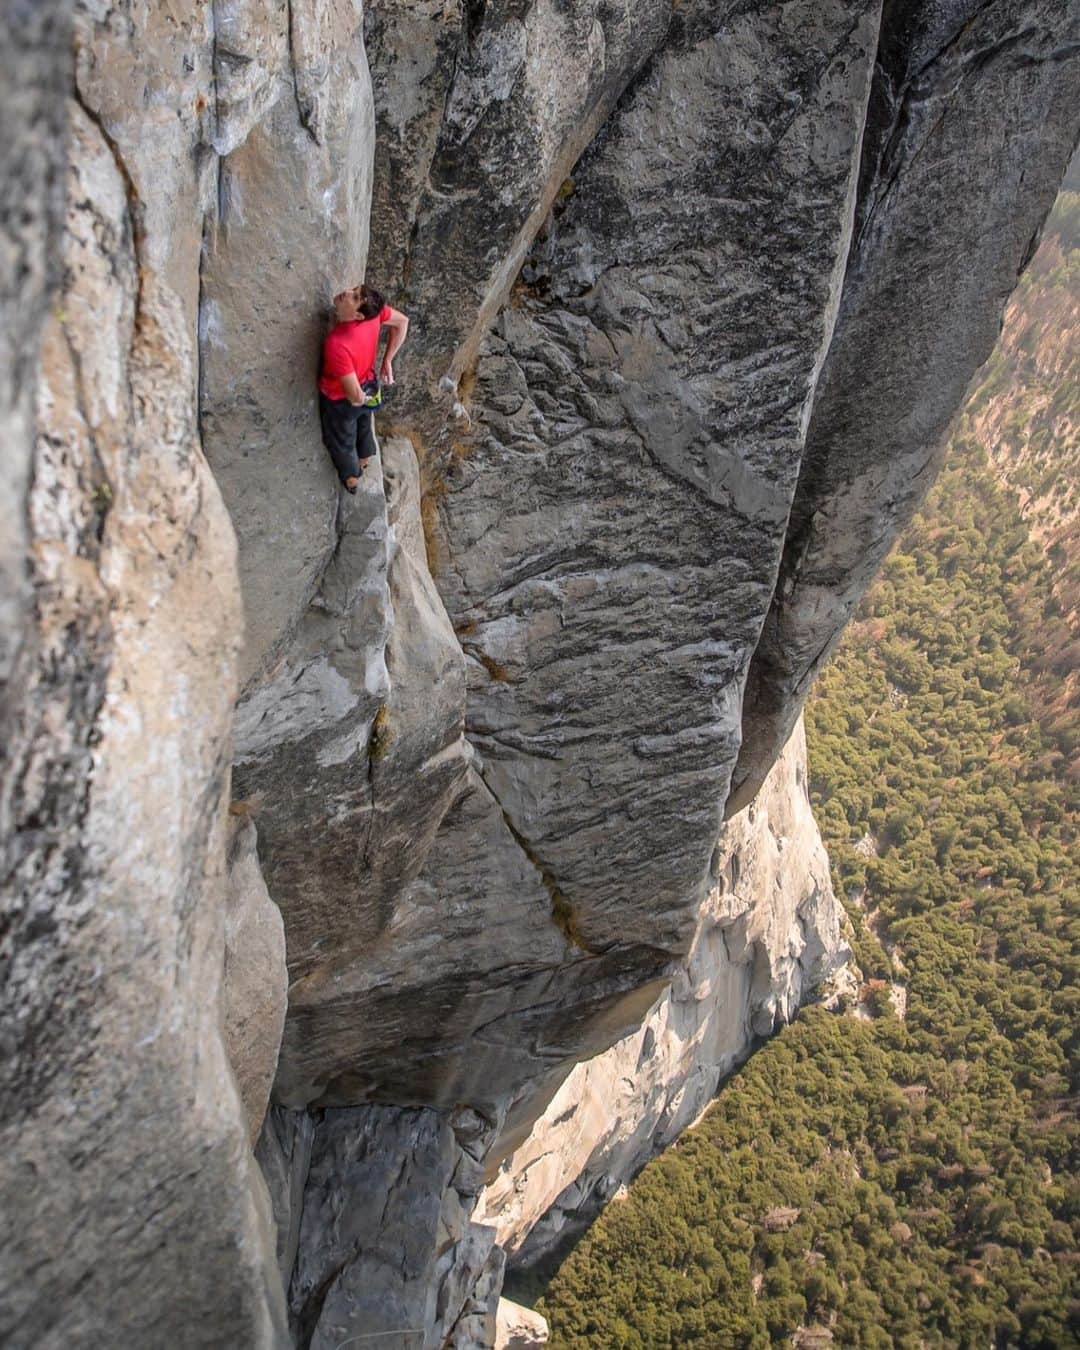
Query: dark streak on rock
[305,111]
[562,911]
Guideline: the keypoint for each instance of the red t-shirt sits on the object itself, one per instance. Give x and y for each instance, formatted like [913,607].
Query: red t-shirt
[350,350]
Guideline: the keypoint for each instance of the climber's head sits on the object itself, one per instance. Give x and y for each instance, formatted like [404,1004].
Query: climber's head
[347,304]
[358,302]
[371,302]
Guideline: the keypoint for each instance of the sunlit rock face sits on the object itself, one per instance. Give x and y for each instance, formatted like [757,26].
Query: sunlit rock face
[694,289]
[518,1328]
[125,1158]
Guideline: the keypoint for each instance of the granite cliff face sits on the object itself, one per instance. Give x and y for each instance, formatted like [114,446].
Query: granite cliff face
[768,934]
[694,289]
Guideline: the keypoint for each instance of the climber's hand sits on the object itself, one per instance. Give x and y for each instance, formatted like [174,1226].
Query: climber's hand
[386,371]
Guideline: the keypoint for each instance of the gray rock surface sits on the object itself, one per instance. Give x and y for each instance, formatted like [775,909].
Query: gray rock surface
[518,1328]
[636,445]
[769,935]
[948,214]
[32,87]
[389,994]
[142,1219]
[145,74]
[372,1206]
[302,737]
[256,984]
[482,111]
[285,229]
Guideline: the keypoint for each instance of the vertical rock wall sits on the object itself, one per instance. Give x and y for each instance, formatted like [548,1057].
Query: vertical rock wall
[286,225]
[144,1220]
[142,1217]
[645,425]
[636,445]
[32,89]
[401,1259]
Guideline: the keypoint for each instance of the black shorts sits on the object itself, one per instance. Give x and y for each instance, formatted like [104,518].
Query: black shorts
[348,433]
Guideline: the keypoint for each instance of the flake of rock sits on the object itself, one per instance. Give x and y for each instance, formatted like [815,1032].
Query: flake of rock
[352,753]
[255,980]
[948,215]
[380,1239]
[637,444]
[519,1328]
[124,1133]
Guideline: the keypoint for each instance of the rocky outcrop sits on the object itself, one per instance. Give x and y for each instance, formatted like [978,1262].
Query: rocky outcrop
[401,1259]
[518,1328]
[568,873]
[256,985]
[948,216]
[626,439]
[769,934]
[491,707]
[143,1219]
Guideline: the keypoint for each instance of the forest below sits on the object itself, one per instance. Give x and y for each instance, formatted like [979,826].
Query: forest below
[906,1174]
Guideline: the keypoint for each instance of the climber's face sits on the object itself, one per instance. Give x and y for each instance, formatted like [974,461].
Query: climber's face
[347,304]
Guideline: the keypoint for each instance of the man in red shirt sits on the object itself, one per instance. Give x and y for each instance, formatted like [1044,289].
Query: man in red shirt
[348,364]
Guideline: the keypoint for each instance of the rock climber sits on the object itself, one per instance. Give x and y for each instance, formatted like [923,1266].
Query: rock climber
[349,391]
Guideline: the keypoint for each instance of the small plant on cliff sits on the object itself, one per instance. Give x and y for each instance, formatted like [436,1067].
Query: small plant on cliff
[380,736]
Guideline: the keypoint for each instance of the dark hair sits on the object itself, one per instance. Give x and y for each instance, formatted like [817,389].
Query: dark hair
[371,302]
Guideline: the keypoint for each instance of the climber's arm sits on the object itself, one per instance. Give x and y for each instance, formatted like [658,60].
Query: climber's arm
[398,324]
[351,386]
